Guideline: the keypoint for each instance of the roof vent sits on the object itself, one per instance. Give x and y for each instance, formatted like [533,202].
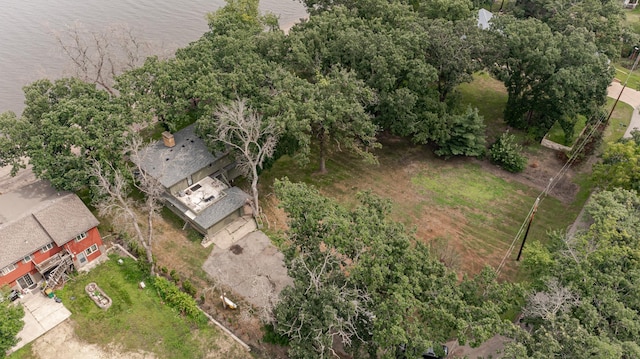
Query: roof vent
[168,139]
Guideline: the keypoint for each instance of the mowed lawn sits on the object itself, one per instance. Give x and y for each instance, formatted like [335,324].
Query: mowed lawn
[137,319]
[475,211]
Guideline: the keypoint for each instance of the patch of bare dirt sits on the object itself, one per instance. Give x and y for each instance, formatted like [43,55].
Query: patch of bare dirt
[61,342]
[443,227]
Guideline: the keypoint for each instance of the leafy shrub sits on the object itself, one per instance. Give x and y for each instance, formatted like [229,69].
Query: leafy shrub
[464,136]
[189,288]
[507,154]
[273,337]
[178,300]
[174,276]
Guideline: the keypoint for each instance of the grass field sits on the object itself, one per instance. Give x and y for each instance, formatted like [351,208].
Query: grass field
[137,319]
[489,96]
[476,213]
[619,122]
[557,135]
[622,75]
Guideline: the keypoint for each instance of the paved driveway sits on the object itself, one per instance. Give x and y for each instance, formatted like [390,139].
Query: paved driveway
[631,97]
[41,314]
[252,267]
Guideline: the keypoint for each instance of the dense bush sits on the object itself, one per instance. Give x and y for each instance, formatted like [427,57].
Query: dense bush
[178,300]
[189,288]
[507,154]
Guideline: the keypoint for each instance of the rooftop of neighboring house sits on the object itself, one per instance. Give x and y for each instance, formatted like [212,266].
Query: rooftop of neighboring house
[36,215]
[484,19]
[170,165]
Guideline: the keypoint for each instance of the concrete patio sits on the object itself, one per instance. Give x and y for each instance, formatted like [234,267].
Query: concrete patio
[41,314]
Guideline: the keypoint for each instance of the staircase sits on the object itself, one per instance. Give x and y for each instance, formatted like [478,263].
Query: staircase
[59,272]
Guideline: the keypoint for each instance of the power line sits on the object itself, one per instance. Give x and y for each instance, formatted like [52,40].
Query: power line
[553,181]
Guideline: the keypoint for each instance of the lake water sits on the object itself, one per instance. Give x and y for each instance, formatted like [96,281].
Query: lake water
[28,49]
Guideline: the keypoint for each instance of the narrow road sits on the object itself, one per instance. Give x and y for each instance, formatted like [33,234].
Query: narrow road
[630,97]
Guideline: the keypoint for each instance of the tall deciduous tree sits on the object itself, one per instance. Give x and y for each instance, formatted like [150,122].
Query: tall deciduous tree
[620,166]
[99,56]
[330,113]
[410,296]
[14,136]
[252,138]
[602,18]
[113,186]
[65,126]
[549,76]
[587,300]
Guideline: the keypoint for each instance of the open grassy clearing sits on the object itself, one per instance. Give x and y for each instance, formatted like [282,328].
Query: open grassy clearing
[466,205]
[633,19]
[622,75]
[472,211]
[489,96]
[138,319]
[619,121]
[556,133]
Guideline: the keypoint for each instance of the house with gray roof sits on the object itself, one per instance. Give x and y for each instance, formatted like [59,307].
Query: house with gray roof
[44,234]
[197,182]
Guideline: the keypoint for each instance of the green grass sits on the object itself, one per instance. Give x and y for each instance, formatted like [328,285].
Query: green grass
[484,211]
[137,319]
[620,119]
[489,96]
[633,19]
[494,208]
[557,135]
[23,353]
[622,75]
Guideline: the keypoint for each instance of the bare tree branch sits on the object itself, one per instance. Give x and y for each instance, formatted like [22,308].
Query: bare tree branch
[547,304]
[114,187]
[242,129]
[99,56]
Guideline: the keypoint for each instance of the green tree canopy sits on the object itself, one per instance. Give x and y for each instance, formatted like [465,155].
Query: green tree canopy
[10,325]
[602,18]
[378,278]
[66,125]
[549,76]
[620,166]
[587,303]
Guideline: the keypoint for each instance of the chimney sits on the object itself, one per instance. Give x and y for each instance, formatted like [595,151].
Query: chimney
[168,139]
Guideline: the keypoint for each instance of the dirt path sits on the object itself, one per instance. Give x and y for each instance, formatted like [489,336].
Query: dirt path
[61,342]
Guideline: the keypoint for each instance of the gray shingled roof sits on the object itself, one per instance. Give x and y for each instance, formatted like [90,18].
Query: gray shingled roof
[66,218]
[170,165]
[45,216]
[235,198]
[20,238]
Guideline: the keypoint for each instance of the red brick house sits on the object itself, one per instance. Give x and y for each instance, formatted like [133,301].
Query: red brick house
[43,235]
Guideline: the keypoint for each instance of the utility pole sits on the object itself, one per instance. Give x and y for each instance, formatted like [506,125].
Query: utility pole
[533,213]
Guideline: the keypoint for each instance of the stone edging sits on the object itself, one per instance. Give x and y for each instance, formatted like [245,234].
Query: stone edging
[227,331]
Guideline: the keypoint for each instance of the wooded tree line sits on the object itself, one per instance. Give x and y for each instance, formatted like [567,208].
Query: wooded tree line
[352,70]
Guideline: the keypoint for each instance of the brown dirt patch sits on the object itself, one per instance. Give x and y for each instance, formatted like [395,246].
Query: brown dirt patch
[61,342]
[392,179]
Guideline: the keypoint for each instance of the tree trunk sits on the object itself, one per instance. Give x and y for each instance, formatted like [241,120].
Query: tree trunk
[254,192]
[323,155]
[148,248]
[145,245]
